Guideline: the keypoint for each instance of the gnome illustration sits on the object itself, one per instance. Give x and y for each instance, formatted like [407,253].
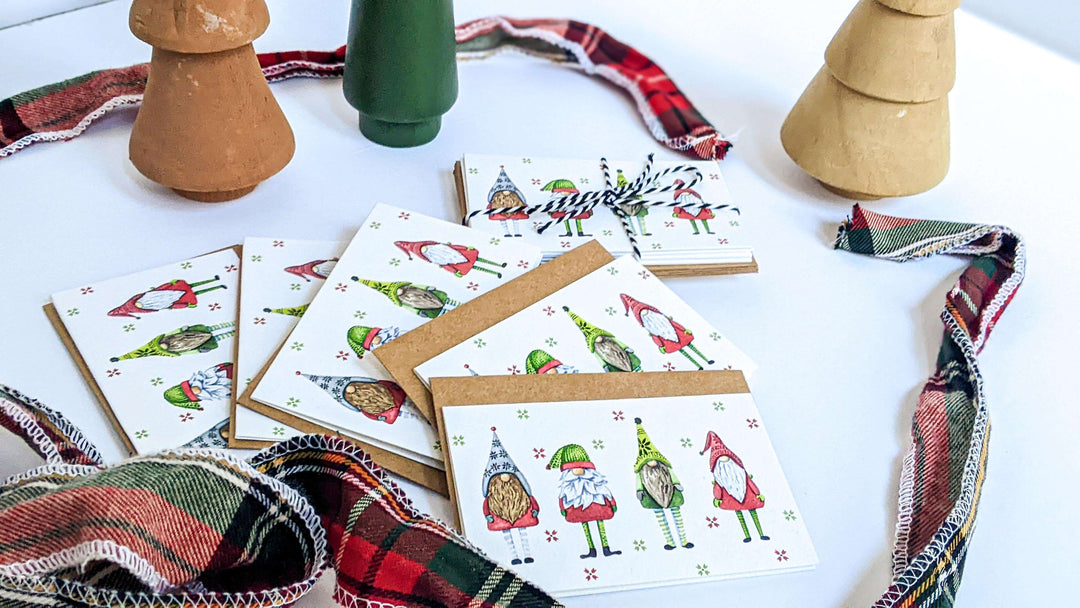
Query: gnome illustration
[425,301]
[584,495]
[635,210]
[509,504]
[189,339]
[658,489]
[172,295]
[319,269]
[612,354]
[292,311]
[690,208]
[377,399]
[733,488]
[506,196]
[559,188]
[668,335]
[540,362]
[210,384]
[362,338]
[213,437]
[458,259]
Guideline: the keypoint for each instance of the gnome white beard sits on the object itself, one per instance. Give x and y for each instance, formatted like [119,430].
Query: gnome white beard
[388,334]
[214,384]
[159,299]
[583,490]
[441,254]
[732,478]
[658,325]
[324,269]
[566,369]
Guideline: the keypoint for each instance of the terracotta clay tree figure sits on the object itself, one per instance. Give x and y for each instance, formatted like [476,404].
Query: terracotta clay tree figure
[874,122]
[209,127]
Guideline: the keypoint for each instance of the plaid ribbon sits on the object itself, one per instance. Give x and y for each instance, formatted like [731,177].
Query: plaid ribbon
[64,110]
[647,183]
[944,469]
[202,528]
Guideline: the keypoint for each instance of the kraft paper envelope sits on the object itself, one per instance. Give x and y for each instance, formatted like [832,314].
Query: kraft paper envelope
[439,335]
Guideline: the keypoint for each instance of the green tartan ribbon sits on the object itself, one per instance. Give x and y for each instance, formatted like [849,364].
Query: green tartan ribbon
[944,469]
[203,528]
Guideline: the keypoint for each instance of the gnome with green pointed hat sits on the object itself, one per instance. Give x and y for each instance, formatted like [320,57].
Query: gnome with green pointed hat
[209,384]
[425,301]
[559,188]
[189,339]
[362,338]
[291,311]
[584,495]
[612,354]
[540,362]
[634,210]
[658,489]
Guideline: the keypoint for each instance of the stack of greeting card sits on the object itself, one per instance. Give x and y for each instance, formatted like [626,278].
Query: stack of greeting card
[158,348]
[605,482]
[682,216]
[400,270]
[279,278]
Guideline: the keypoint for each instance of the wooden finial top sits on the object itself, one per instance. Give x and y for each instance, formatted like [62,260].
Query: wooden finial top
[198,26]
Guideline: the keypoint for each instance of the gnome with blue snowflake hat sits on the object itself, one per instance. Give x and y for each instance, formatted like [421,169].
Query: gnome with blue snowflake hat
[509,504]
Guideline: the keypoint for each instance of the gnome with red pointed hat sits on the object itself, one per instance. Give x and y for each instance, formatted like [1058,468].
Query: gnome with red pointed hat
[172,295]
[669,335]
[318,269]
[690,207]
[733,488]
[458,259]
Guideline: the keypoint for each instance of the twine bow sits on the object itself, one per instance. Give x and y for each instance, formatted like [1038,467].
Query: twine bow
[616,198]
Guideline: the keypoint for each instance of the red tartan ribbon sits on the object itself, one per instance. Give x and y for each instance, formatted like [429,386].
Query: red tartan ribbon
[203,528]
[64,110]
[944,469]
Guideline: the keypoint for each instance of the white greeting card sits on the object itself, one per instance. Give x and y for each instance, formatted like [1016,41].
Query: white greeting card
[619,318]
[684,233]
[400,270]
[588,496]
[160,345]
[278,279]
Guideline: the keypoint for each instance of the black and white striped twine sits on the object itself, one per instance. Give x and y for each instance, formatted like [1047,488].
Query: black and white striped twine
[612,197]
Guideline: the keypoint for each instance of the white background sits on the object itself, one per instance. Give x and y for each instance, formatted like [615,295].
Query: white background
[844,342]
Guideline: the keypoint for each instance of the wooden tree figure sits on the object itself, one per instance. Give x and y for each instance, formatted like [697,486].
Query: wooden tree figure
[209,127]
[874,122]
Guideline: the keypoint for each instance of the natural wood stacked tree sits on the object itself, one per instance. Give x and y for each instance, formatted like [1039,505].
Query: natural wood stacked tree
[209,127]
[874,122]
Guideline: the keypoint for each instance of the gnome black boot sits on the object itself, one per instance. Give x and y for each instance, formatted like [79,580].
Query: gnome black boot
[591,553]
[515,561]
[529,560]
[608,552]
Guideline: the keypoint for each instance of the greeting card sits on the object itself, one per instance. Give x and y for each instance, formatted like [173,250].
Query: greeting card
[399,271]
[600,482]
[278,279]
[158,349]
[680,214]
[619,318]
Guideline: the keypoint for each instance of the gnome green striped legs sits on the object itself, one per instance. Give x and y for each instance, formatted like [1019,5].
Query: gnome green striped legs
[584,495]
[733,488]
[658,489]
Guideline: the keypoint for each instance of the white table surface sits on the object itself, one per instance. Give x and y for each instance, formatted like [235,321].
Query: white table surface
[844,342]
